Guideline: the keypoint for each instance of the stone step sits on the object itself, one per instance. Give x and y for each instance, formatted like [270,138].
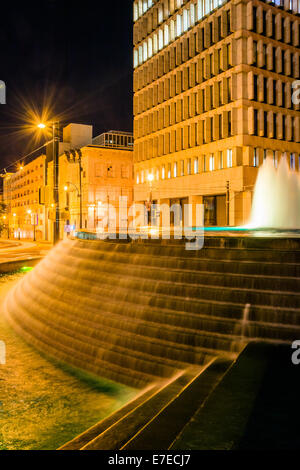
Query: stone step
[118,435]
[260,282]
[190,291]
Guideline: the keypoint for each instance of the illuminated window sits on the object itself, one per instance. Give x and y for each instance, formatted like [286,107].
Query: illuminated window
[135,11]
[229,158]
[211,162]
[178,25]
[169,170]
[142,176]
[150,48]
[196,166]
[140,55]
[135,58]
[167,36]
[189,166]
[137,178]
[185,20]
[160,14]
[163,172]
[160,39]
[155,44]
[172,30]
[145,51]
[175,170]
[221,160]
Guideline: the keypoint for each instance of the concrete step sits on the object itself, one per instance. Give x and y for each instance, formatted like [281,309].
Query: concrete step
[119,435]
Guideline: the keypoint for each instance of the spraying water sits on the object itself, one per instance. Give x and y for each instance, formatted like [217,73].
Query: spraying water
[276,202]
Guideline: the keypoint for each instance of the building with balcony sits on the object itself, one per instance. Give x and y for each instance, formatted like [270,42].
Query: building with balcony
[213,87]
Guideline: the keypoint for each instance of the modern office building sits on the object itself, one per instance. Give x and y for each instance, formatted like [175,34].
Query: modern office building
[107,174]
[213,86]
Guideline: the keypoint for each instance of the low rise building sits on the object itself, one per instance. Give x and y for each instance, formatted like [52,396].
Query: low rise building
[86,189]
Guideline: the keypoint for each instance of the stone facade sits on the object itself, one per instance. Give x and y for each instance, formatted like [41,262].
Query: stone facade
[213,98]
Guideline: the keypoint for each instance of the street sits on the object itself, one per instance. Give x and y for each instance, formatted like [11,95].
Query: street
[18,250]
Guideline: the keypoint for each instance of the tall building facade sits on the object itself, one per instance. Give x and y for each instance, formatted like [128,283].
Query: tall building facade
[213,87]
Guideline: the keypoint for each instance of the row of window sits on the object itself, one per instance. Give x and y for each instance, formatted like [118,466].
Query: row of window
[270,91]
[167,8]
[206,67]
[275,59]
[192,135]
[275,26]
[260,123]
[186,167]
[273,125]
[274,155]
[175,29]
[191,105]
[209,162]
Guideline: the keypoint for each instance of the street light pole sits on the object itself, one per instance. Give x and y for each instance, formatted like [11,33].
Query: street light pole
[56,225]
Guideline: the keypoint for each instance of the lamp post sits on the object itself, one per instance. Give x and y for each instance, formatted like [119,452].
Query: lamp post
[55,142]
[150,180]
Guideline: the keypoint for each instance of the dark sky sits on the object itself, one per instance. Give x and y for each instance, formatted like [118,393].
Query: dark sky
[72,56]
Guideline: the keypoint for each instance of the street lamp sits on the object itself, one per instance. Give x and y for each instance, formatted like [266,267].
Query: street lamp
[150,179]
[55,142]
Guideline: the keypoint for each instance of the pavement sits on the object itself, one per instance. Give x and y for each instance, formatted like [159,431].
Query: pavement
[14,250]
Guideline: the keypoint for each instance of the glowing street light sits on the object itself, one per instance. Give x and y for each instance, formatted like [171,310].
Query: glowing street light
[55,141]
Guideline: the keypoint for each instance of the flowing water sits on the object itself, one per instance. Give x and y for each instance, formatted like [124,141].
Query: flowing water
[139,312]
[44,403]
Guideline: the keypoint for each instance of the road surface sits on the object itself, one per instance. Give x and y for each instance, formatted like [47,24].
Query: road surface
[18,250]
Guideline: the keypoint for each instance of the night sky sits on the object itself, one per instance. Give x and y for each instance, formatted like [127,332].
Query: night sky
[73,58]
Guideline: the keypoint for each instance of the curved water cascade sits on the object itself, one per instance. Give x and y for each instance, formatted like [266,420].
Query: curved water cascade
[276,202]
[142,311]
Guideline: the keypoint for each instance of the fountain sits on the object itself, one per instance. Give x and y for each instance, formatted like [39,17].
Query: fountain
[276,202]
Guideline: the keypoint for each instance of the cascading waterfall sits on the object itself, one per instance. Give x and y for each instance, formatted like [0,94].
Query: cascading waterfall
[276,202]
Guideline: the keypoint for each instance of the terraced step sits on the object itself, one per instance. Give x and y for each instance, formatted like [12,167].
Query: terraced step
[162,430]
[247,266]
[119,434]
[233,254]
[177,289]
[87,436]
[259,282]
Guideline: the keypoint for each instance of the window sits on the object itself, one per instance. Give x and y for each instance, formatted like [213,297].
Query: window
[175,170]
[169,170]
[137,178]
[292,161]
[189,166]
[196,165]
[255,158]
[221,161]
[163,172]
[229,158]
[182,168]
[211,162]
